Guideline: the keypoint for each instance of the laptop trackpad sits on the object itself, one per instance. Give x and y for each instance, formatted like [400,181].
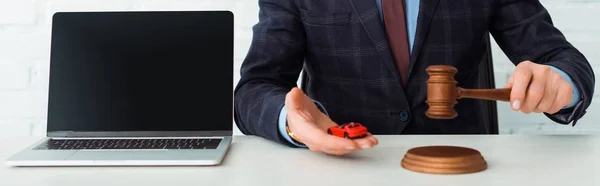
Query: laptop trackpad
[121,155]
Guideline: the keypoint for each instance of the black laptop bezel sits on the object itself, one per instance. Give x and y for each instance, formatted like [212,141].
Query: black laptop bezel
[100,134]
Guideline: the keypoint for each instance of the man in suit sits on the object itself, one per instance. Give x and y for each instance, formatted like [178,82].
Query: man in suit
[366,62]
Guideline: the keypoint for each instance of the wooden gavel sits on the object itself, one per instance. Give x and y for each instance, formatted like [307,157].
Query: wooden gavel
[442,92]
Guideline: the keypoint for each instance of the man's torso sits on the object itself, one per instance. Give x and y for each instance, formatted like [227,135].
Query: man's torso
[352,71]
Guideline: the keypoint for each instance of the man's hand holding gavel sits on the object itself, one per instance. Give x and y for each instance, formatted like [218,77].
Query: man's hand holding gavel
[537,88]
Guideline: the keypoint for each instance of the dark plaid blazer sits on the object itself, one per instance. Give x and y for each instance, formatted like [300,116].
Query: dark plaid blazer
[342,46]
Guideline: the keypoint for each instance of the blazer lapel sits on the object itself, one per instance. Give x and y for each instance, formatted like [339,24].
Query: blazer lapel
[368,14]
[426,11]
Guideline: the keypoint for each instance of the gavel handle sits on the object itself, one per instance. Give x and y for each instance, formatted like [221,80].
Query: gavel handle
[502,94]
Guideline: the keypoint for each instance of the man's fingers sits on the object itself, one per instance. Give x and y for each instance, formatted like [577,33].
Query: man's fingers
[339,146]
[521,77]
[547,100]
[337,152]
[538,89]
[557,103]
[549,97]
[311,135]
[365,143]
[534,94]
[337,143]
[563,98]
[317,148]
[373,139]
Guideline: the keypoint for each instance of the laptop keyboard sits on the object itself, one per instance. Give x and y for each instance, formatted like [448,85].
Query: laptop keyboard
[75,144]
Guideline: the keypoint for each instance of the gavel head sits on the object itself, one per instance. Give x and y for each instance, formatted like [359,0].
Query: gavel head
[441,92]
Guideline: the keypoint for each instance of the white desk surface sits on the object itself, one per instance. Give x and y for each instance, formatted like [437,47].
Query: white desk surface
[561,160]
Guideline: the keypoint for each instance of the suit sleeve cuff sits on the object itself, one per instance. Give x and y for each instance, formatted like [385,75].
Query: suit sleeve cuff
[566,77]
[283,122]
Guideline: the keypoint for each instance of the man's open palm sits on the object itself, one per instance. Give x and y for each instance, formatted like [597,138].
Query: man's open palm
[309,125]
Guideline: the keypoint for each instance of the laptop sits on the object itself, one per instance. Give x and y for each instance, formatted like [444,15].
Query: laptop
[137,88]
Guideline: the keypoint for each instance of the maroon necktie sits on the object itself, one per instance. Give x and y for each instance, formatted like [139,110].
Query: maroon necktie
[395,27]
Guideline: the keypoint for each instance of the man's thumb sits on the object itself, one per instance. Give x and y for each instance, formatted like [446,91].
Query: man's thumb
[295,108]
[293,99]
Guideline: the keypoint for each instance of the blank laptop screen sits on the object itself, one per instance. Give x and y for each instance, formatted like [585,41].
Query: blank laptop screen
[141,71]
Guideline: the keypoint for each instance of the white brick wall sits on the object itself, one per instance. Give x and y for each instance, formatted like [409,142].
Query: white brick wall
[25,40]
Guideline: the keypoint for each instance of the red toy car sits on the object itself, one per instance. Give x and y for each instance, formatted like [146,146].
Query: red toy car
[349,130]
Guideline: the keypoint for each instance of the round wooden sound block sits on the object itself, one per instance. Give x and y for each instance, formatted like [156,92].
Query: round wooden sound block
[444,160]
